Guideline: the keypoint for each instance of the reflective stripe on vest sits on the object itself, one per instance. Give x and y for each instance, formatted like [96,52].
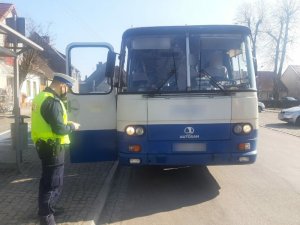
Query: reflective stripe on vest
[40,129]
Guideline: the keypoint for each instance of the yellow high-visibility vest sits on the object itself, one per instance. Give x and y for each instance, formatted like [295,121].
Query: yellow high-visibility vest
[40,129]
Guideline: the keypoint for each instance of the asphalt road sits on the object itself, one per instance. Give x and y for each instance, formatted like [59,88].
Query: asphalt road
[267,192]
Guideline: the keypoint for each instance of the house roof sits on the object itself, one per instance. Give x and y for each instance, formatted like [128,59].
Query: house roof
[265,81]
[5,8]
[55,60]
[296,68]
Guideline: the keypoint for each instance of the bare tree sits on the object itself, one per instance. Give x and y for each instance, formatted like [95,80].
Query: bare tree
[284,18]
[273,27]
[251,14]
[280,29]
[28,61]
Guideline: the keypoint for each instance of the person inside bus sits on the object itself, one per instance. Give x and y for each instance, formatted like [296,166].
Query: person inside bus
[138,75]
[179,62]
[215,67]
[141,77]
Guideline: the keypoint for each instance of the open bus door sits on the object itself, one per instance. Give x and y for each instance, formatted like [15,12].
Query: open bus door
[92,102]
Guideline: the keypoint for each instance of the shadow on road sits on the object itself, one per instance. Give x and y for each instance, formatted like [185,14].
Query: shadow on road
[139,192]
[282,126]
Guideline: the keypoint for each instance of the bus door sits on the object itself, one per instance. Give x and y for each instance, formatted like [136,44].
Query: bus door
[92,102]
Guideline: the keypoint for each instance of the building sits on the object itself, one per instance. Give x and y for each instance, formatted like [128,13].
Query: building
[41,72]
[6,63]
[266,83]
[291,79]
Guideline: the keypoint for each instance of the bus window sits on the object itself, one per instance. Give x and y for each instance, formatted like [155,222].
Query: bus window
[156,63]
[221,59]
[217,62]
[89,67]
[239,67]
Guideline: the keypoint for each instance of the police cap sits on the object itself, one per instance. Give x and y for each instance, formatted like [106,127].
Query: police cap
[63,78]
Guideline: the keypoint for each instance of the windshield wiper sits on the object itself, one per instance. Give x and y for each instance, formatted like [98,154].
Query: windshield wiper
[172,72]
[214,82]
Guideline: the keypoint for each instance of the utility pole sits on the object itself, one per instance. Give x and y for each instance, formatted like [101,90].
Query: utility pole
[16,109]
[14,23]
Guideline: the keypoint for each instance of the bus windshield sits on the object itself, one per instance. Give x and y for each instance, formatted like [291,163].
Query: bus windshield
[188,63]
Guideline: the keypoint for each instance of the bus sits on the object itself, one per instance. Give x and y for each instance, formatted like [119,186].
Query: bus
[178,96]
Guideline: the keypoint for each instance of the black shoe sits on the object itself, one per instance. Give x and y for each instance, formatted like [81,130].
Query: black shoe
[47,220]
[58,211]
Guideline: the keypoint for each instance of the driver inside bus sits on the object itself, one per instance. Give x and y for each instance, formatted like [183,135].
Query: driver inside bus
[141,79]
[215,67]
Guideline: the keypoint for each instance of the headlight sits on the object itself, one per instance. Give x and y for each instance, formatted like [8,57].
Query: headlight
[134,130]
[238,129]
[247,128]
[130,130]
[139,131]
[242,128]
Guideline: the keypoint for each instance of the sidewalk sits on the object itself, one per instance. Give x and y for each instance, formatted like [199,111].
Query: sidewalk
[85,189]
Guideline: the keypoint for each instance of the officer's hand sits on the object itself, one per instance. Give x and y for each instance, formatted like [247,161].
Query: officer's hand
[75,125]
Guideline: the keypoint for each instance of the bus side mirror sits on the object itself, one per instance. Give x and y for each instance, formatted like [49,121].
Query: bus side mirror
[110,64]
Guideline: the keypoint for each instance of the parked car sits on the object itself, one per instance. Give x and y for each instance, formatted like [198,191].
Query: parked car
[261,106]
[284,102]
[287,102]
[290,115]
[289,99]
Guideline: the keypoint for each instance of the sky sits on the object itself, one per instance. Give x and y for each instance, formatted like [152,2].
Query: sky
[94,20]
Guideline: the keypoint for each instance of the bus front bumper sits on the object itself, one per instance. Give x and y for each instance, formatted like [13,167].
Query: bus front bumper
[188,159]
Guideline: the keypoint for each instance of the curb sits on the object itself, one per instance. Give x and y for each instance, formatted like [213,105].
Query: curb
[102,196]
[273,110]
[278,130]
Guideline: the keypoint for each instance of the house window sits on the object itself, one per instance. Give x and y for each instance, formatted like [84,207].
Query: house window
[28,89]
[34,88]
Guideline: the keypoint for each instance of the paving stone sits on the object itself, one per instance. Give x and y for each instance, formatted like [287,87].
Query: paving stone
[18,192]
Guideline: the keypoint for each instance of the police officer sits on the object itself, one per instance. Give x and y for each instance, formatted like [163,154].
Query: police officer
[50,131]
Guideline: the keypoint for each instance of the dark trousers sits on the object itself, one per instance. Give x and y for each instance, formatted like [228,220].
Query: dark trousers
[51,182]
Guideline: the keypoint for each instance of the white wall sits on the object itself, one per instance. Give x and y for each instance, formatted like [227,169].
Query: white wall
[34,84]
[292,81]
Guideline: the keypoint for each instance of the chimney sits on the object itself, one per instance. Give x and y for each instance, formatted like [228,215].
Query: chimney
[46,39]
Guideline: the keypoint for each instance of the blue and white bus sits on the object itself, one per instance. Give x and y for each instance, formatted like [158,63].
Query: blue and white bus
[164,104]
